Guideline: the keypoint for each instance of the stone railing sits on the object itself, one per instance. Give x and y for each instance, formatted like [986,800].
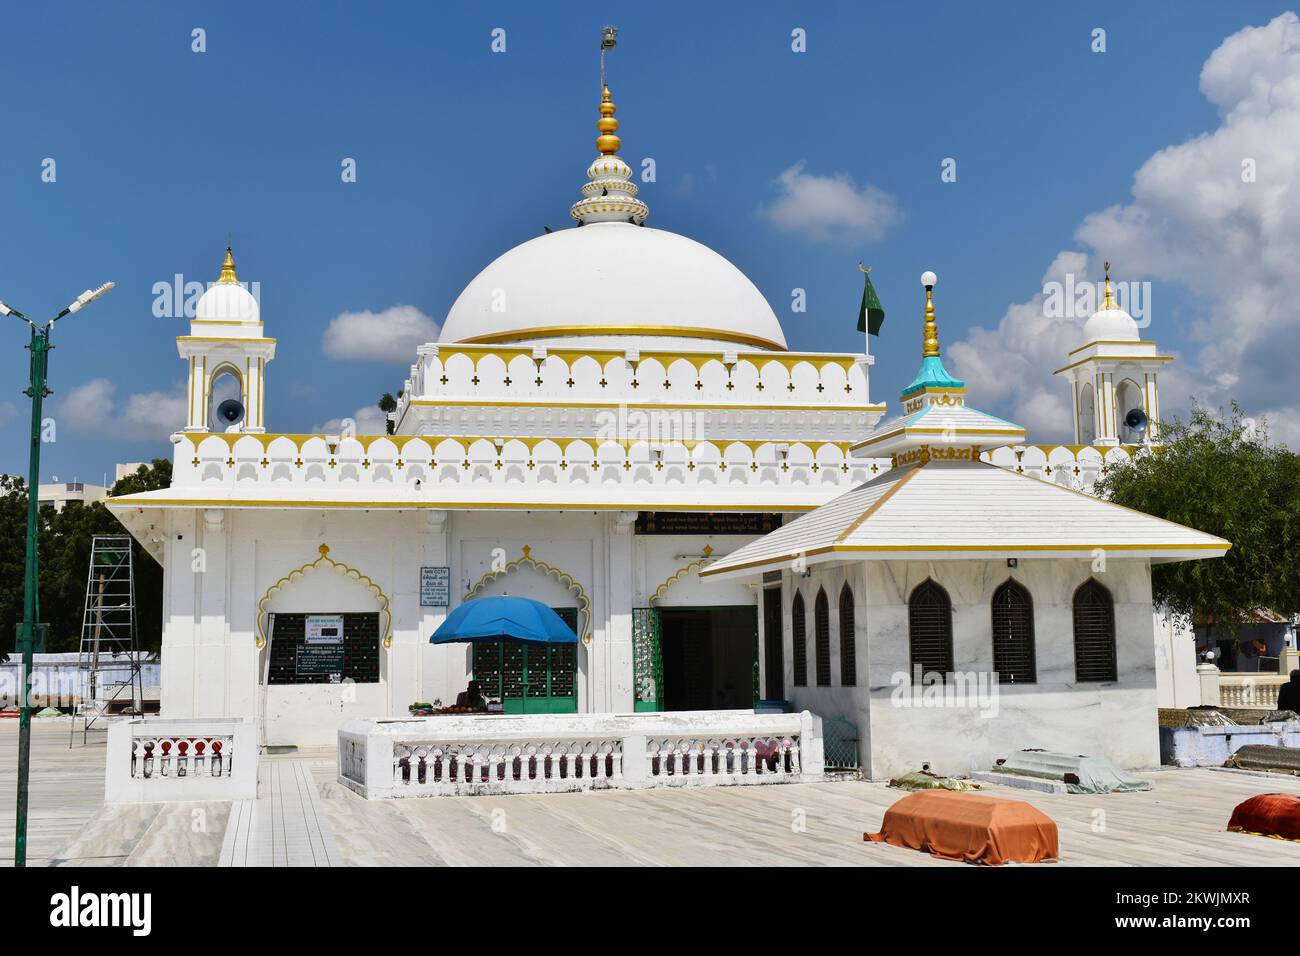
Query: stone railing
[526,375]
[491,754]
[1244,691]
[1250,691]
[158,760]
[1071,466]
[420,467]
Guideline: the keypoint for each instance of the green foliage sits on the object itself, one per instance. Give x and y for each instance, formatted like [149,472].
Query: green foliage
[388,405]
[1218,473]
[64,548]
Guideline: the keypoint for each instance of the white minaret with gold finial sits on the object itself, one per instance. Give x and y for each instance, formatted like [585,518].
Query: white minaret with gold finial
[609,194]
[1113,379]
[227,355]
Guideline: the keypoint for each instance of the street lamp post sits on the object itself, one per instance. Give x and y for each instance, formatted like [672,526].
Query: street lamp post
[40,359]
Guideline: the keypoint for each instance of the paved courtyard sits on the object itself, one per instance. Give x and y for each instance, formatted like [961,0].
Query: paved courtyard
[302,816]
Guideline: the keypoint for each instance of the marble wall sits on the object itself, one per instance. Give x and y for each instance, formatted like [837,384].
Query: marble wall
[981,720]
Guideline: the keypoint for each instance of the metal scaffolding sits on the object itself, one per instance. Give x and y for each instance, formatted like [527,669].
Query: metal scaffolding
[110,657]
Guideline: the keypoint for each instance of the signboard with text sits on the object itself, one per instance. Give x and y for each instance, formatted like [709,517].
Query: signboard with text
[435,587]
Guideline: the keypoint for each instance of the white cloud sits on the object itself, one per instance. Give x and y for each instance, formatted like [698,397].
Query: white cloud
[1192,221]
[368,420]
[830,208]
[94,409]
[388,336]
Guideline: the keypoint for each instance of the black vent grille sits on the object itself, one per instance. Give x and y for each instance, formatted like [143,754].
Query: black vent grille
[1094,634]
[800,642]
[1013,635]
[822,626]
[848,642]
[929,618]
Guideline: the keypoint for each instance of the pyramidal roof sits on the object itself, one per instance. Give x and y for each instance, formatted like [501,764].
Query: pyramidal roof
[967,510]
[941,501]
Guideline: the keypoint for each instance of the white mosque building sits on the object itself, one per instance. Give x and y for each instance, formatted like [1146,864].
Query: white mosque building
[611,410]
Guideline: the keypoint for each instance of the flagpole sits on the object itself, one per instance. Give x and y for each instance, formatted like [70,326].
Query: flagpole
[866,326]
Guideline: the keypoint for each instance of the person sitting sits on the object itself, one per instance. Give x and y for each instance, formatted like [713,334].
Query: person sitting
[1288,695]
[471,697]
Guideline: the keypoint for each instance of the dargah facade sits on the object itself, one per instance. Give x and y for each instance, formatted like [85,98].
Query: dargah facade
[609,410]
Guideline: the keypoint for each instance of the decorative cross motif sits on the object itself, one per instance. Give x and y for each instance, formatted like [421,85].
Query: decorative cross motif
[507,379]
[659,466]
[785,466]
[821,387]
[635,383]
[753,466]
[627,464]
[195,462]
[537,381]
[230,462]
[563,464]
[465,464]
[399,463]
[603,383]
[498,464]
[790,387]
[845,468]
[667,385]
[760,386]
[365,462]
[690,466]
[570,383]
[698,385]
[263,462]
[729,385]
[848,387]
[332,462]
[475,378]
[443,379]
[531,466]
[298,463]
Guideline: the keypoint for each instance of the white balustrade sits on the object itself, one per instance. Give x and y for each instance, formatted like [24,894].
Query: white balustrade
[158,760]
[1250,691]
[486,754]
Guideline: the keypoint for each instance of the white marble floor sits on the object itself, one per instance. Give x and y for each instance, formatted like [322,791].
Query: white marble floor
[284,826]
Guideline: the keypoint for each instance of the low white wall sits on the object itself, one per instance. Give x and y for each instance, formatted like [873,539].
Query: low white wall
[309,715]
[474,755]
[159,760]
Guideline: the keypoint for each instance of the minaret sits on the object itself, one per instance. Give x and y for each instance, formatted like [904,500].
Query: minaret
[227,355]
[609,194]
[1113,379]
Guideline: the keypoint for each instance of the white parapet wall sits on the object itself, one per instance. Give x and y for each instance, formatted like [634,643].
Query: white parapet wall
[194,759]
[552,753]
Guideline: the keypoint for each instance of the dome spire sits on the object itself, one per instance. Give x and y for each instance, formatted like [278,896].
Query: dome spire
[930,342]
[932,374]
[607,142]
[1108,298]
[609,195]
[228,268]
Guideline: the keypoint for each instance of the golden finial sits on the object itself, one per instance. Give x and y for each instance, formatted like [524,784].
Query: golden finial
[607,142]
[324,550]
[1107,298]
[228,268]
[930,342]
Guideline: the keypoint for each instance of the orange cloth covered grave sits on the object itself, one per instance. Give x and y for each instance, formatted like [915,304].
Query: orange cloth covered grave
[1275,815]
[971,828]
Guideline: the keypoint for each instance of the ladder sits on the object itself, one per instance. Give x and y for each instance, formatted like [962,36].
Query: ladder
[109,657]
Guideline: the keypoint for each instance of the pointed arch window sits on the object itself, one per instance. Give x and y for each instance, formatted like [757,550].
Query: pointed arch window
[929,629]
[1013,634]
[822,638]
[1094,633]
[848,642]
[799,638]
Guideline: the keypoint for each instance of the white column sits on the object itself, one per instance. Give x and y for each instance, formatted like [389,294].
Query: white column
[442,668]
[210,657]
[617,693]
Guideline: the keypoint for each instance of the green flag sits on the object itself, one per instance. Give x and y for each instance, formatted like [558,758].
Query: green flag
[871,314]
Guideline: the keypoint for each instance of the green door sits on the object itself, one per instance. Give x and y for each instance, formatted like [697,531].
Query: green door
[647,661]
[530,678]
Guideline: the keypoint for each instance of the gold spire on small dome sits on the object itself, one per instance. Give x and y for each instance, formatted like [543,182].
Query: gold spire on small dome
[607,143]
[228,268]
[1107,297]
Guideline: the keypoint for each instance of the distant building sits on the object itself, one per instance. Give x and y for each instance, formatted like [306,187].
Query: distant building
[128,468]
[61,493]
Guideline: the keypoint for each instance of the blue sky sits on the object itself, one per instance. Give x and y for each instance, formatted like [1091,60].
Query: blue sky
[462,153]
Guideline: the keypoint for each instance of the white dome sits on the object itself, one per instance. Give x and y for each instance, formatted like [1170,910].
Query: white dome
[1110,325]
[609,279]
[226,302]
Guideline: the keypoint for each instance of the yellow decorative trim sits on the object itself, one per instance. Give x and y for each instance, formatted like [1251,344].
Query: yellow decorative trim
[676,331]
[681,573]
[564,577]
[665,406]
[530,442]
[353,573]
[916,548]
[145,501]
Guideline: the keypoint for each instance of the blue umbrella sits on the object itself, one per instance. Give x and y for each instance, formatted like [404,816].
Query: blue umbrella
[492,618]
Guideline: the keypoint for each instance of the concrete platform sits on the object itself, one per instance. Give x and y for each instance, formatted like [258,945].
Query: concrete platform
[1179,822]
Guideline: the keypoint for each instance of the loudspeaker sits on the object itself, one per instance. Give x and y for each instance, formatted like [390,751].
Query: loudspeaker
[1136,420]
[231,411]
